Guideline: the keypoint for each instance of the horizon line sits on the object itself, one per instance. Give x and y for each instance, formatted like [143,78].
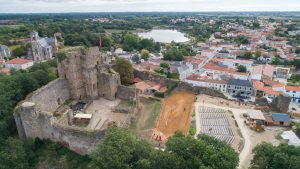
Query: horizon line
[283,11]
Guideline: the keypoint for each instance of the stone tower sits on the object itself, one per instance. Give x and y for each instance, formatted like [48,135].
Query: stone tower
[88,74]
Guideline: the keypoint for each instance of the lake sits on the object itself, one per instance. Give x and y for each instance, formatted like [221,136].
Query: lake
[164,35]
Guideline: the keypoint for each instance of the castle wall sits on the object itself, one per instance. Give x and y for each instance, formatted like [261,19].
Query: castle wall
[71,69]
[32,123]
[91,86]
[126,92]
[51,96]
[79,140]
[108,83]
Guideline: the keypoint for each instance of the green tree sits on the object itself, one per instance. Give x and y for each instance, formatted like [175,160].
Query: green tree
[131,41]
[125,69]
[241,68]
[165,65]
[268,156]
[145,54]
[120,149]
[257,54]
[276,61]
[19,52]
[13,155]
[173,54]
[242,40]
[247,55]
[256,25]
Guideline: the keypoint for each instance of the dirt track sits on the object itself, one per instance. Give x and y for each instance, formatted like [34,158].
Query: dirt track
[176,113]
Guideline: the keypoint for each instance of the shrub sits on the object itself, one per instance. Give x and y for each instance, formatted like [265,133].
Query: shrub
[159,94]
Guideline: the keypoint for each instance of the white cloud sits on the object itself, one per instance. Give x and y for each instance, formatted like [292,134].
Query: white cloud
[40,6]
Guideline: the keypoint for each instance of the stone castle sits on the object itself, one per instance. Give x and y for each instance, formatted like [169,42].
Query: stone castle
[85,74]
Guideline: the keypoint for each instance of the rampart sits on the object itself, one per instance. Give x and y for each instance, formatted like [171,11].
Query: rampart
[35,119]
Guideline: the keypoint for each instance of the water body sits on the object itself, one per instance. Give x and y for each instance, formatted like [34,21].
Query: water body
[164,36]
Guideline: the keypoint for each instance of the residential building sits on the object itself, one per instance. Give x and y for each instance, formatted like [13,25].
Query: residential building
[196,80]
[19,63]
[280,119]
[291,138]
[239,87]
[184,70]
[234,63]
[4,52]
[293,92]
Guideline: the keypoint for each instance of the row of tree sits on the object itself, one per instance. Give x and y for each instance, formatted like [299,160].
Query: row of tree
[122,150]
[132,42]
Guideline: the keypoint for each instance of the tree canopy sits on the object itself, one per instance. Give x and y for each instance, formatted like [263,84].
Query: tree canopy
[268,156]
[120,149]
[125,69]
[241,68]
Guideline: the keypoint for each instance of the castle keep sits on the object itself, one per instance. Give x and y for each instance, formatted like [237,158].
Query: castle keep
[77,108]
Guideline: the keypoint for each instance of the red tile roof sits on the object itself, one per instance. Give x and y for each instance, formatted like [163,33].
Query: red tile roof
[18,61]
[195,77]
[137,80]
[269,90]
[293,88]
[258,85]
[143,86]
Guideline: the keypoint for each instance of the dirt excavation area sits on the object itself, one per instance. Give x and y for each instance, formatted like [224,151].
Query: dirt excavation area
[176,114]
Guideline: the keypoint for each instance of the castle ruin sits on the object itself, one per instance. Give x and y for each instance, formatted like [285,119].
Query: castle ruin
[77,108]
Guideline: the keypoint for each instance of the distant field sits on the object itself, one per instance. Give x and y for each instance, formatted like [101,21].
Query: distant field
[14,47]
[120,30]
[10,26]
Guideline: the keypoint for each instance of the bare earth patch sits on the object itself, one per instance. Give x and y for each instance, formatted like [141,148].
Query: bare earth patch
[176,114]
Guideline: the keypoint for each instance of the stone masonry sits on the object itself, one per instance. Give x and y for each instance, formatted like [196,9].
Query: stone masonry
[85,74]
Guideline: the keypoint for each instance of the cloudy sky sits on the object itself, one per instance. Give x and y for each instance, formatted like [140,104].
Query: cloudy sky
[44,6]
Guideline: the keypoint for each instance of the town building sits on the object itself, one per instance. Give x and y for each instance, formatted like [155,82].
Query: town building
[279,119]
[216,84]
[291,138]
[293,92]
[42,48]
[4,52]
[239,87]
[234,63]
[19,63]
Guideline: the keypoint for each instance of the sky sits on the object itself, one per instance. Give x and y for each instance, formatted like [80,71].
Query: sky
[56,6]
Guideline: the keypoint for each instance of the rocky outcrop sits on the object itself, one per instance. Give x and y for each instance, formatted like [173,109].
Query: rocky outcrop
[281,103]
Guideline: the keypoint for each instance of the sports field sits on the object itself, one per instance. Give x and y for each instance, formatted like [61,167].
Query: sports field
[176,114]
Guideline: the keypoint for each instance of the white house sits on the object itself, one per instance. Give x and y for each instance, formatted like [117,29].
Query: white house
[184,70]
[294,93]
[19,63]
[256,72]
[234,63]
[291,137]
[196,80]
[245,47]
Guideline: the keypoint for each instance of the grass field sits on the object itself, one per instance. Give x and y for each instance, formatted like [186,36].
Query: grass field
[147,116]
